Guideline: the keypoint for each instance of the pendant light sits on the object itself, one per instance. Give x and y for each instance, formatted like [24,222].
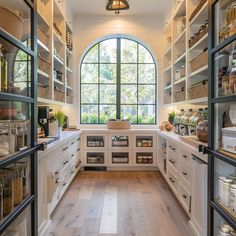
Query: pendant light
[117,5]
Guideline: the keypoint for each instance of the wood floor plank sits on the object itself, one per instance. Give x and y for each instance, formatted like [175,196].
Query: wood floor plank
[119,204]
[109,212]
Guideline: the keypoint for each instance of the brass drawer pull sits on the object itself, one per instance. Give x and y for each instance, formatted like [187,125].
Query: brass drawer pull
[172,180]
[184,196]
[184,173]
[173,162]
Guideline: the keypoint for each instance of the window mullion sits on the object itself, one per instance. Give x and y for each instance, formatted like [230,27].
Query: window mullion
[118,81]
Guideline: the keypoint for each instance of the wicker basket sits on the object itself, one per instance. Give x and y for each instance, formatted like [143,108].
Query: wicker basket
[197,9]
[199,61]
[118,124]
[44,38]
[69,99]
[59,95]
[198,37]
[199,90]
[43,91]
[167,99]
[43,65]
[179,96]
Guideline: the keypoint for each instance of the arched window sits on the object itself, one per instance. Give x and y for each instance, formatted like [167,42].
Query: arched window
[118,80]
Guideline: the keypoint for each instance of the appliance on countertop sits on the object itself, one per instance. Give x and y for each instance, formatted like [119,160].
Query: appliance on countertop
[43,118]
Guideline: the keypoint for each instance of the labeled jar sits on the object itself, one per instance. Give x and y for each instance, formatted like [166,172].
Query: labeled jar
[233,197]
[227,192]
[220,187]
[8,192]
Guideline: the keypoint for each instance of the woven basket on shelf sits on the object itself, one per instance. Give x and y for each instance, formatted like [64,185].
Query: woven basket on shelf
[199,61]
[198,37]
[197,9]
[43,91]
[44,38]
[199,90]
[44,65]
[118,124]
[59,95]
[179,96]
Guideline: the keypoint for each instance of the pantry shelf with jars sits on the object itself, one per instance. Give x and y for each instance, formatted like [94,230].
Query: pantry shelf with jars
[55,57]
[18,99]
[185,62]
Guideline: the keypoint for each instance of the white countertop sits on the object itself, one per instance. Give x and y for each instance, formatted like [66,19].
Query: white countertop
[65,135]
[177,138]
[105,130]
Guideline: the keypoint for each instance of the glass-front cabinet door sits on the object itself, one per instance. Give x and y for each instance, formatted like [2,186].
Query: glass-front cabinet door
[222,118]
[18,100]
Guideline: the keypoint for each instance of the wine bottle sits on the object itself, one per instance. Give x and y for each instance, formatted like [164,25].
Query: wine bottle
[3,69]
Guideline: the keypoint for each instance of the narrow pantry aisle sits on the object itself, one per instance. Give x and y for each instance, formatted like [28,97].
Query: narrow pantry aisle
[119,203]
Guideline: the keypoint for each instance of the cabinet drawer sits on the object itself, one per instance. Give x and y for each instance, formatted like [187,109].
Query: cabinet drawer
[186,174]
[172,147]
[185,198]
[185,156]
[173,161]
[172,179]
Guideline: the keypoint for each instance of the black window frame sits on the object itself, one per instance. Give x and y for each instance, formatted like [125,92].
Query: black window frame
[118,83]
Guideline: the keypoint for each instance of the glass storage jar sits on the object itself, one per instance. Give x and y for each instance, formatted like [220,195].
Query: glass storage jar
[202,131]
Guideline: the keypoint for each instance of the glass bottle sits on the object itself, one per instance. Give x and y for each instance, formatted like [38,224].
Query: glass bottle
[3,70]
[232,74]
[11,138]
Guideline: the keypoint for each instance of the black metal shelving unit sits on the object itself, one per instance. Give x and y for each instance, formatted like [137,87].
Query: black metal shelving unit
[10,98]
[220,163]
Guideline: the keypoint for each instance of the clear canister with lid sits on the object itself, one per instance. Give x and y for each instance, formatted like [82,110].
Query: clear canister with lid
[8,191]
[227,192]
[233,197]
[220,187]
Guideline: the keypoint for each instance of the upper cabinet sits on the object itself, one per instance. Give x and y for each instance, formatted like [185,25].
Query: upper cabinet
[55,41]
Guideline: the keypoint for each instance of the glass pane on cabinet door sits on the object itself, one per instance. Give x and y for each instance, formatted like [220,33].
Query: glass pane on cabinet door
[225,71]
[225,128]
[225,186]
[15,185]
[21,226]
[15,132]
[225,20]
[221,227]
[15,18]
[15,70]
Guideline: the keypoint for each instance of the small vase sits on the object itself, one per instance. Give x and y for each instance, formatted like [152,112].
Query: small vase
[59,131]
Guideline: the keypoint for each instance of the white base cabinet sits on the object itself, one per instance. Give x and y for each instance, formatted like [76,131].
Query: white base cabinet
[57,167]
[186,173]
[119,149]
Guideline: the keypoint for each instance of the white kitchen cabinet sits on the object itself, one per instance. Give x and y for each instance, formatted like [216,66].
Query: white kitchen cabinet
[199,200]
[187,177]
[57,166]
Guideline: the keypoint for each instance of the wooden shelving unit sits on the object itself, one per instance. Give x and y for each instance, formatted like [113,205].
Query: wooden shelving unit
[56,69]
[178,55]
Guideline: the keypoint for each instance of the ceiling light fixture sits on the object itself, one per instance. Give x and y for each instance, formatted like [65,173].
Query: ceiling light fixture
[117,5]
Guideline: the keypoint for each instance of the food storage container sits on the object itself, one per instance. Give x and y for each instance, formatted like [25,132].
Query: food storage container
[229,139]
[220,187]
[233,197]
[8,191]
[202,131]
[227,192]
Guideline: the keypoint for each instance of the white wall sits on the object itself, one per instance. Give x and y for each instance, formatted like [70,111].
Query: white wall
[88,30]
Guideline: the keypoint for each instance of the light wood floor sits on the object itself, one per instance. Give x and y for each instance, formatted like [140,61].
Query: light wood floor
[119,203]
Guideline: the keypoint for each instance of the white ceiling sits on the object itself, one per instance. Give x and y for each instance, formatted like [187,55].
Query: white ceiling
[144,8]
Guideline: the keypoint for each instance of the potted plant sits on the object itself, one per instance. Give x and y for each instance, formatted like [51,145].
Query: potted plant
[171,117]
[60,117]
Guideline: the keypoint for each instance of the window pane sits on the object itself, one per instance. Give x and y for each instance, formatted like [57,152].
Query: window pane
[92,55]
[108,94]
[128,94]
[147,74]
[89,93]
[89,73]
[129,51]
[89,114]
[129,112]
[108,51]
[129,73]
[107,112]
[108,73]
[146,114]
[146,94]
[144,55]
